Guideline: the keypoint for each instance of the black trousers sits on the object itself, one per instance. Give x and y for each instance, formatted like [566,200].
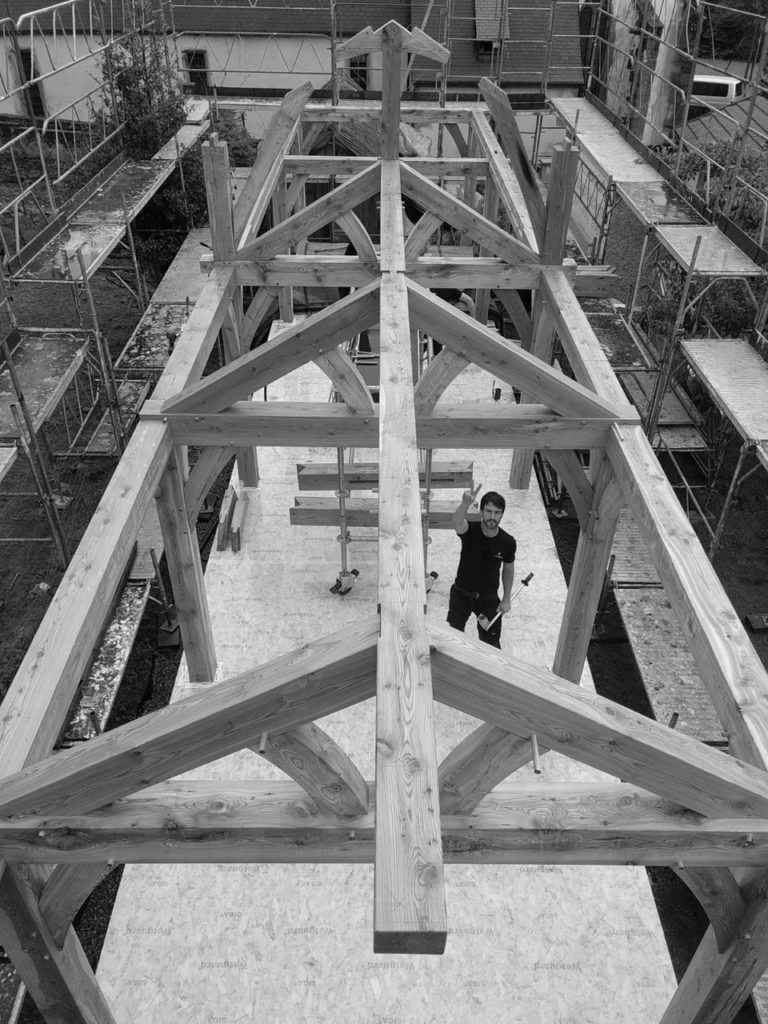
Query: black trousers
[461,604]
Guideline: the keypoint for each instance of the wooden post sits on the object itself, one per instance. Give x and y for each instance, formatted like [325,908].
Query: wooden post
[218,186]
[565,165]
[588,575]
[183,556]
[59,980]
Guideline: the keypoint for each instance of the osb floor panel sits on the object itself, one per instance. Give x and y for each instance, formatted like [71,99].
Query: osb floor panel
[293,943]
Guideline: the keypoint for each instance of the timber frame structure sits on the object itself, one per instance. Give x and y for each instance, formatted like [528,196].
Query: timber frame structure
[67,817]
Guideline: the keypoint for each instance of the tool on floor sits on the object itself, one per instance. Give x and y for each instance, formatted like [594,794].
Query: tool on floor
[485,623]
[347,576]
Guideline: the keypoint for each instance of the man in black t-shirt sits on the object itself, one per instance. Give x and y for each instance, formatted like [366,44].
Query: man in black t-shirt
[486,549]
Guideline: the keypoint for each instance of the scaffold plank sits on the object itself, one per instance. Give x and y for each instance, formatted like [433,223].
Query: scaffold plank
[736,376]
[670,678]
[46,363]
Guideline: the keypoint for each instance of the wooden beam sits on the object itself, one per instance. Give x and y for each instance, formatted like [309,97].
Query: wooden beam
[300,225]
[587,580]
[363,511]
[505,360]
[392,71]
[420,234]
[730,668]
[568,467]
[542,344]
[413,113]
[262,304]
[210,462]
[478,764]
[185,569]
[365,41]
[67,889]
[514,148]
[314,680]
[585,355]
[276,822]
[325,165]
[452,210]
[60,980]
[324,476]
[560,193]
[326,774]
[319,270]
[524,699]
[717,983]
[347,380]
[414,41]
[288,350]
[355,231]
[509,188]
[254,198]
[409,886]
[517,313]
[466,425]
[442,370]
[218,188]
[720,896]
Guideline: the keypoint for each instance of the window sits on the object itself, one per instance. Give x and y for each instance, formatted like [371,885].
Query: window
[358,70]
[196,64]
[33,90]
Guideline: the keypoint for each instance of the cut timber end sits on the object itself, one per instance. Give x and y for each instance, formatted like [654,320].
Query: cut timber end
[424,943]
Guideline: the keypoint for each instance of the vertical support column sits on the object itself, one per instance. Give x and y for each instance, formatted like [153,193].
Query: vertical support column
[218,191]
[392,54]
[565,167]
[490,212]
[279,214]
[59,980]
[588,575]
[186,571]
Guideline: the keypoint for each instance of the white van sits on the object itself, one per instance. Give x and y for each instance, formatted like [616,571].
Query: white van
[716,90]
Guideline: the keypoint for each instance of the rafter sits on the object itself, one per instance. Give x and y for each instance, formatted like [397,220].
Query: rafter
[525,700]
[303,223]
[457,213]
[254,198]
[290,349]
[515,151]
[504,360]
[315,680]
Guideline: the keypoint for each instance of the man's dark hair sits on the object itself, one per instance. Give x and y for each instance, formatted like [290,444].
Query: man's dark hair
[492,498]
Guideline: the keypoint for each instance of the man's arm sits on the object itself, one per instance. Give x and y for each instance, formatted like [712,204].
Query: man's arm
[459,519]
[507,579]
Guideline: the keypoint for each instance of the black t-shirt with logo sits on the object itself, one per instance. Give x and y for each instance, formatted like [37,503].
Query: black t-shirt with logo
[482,557]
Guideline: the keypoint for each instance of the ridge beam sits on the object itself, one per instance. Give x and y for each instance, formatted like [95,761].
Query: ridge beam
[409,884]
